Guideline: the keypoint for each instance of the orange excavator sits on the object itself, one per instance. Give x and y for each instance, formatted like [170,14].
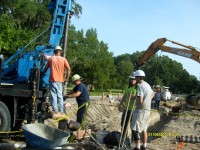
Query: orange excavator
[187,51]
[190,52]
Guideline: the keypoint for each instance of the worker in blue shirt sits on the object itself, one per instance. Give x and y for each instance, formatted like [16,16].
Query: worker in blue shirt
[158,97]
[81,94]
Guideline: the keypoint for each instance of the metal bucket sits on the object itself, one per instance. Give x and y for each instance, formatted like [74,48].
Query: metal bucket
[42,136]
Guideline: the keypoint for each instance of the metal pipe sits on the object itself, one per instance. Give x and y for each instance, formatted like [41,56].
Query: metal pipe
[130,117]
[23,48]
[174,42]
[66,35]
[65,48]
[123,135]
[95,141]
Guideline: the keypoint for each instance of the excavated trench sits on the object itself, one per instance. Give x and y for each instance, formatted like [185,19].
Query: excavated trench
[156,125]
[172,120]
[103,115]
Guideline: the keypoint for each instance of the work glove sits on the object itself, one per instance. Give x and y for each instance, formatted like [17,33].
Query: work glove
[65,97]
[65,83]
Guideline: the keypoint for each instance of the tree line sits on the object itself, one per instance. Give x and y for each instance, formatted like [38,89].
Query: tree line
[22,20]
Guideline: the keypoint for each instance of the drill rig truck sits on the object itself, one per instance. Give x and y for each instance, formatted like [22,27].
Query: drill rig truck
[186,51]
[24,88]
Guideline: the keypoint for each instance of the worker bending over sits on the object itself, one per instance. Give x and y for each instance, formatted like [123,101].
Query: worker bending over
[79,92]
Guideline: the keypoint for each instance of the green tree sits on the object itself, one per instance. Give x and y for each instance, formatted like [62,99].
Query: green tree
[90,58]
[123,71]
[20,22]
[163,71]
[77,10]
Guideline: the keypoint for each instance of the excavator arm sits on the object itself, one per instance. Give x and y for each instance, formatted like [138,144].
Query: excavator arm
[187,51]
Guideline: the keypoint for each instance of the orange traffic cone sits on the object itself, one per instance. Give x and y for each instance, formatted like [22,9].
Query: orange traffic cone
[180,145]
[102,98]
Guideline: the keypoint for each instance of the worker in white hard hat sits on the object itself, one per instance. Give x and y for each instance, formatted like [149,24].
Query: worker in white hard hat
[129,100]
[57,65]
[81,94]
[141,115]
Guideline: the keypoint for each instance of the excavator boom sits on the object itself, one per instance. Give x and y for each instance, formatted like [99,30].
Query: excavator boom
[187,51]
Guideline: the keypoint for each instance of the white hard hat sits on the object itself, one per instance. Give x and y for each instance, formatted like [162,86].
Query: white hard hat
[58,48]
[157,86]
[132,76]
[139,73]
[75,77]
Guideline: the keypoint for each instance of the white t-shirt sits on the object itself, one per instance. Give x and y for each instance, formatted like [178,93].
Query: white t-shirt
[144,90]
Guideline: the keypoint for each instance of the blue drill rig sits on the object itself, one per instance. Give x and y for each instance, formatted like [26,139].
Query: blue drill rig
[24,89]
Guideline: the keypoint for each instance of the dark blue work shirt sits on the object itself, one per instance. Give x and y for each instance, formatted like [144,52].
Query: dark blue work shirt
[84,96]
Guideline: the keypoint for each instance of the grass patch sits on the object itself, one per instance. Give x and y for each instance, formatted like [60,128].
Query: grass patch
[112,91]
[99,93]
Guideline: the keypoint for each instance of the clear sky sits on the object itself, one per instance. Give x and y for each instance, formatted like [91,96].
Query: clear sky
[132,25]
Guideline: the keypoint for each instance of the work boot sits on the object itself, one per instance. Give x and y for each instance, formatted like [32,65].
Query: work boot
[142,147]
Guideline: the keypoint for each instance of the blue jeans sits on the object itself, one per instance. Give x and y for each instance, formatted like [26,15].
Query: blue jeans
[81,112]
[56,96]
[157,104]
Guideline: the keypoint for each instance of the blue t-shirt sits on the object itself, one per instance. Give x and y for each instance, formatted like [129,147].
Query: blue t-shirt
[84,96]
[158,96]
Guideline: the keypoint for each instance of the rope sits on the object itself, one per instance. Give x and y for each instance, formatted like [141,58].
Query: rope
[84,118]
[66,116]
[72,138]
[11,132]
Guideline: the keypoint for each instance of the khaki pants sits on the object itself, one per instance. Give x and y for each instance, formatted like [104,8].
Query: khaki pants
[140,120]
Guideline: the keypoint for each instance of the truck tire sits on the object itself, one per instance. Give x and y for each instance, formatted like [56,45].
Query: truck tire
[5,118]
